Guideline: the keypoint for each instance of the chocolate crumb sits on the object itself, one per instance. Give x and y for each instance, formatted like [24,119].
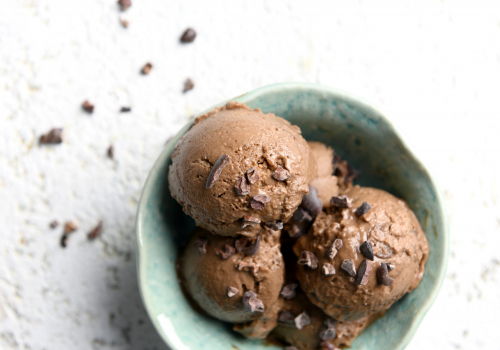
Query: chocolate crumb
[146,69]
[328,331]
[69,227]
[96,231]
[242,187]
[188,36]
[241,243]
[88,107]
[125,109]
[250,267]
[216,170]
[254,247]
[124,23]
[124,4]
[301,215]
[363,273]
[338,243]
[201,244]
[348,266]
[188,85]
[53,137]
[231,291]
[227,253]
[289,291]
[325,345]
[249,221]
[390,266]
[111,152]
[64,240]
[286,317]
[275,225]
[362,209]
[281,174]
[252,303]
[382,277]
[312,203]
[308,259]
[328,269]
[302,320]
[367,250]
[54,224]
[253,175]
[341,201]
[259,201]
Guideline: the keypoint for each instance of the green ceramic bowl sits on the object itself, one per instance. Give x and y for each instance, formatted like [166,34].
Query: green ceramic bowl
[359,133]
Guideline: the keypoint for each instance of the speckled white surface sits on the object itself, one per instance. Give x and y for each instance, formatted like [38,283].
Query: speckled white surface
[432,66]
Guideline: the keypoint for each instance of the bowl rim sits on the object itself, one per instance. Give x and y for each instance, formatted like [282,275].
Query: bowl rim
[417,320]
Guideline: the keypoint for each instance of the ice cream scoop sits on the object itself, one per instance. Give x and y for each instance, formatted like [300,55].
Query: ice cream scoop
[238,168]
[233,279]
[363,255]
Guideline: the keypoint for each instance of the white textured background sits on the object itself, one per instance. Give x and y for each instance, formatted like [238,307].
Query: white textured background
[432,66]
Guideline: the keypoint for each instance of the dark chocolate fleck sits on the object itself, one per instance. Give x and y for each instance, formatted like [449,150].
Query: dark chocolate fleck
[362,209]
[390,266]
[125,109]
[254,247]
[382,277]
[64,240]
[281,174]
[338,243]
[88,107]
[242,187]
[348,266]
[147,68]
[241,243]
[341,201]
[227,253]
[259,201]
[289,291]
[54,224]
[188,36]
[301,215]
[216,170]
[249,221]
[302,320]
[329,329]
[286,317]
[201,244]
[231,291]
[328,269]
[367,250]
[275,225]
[54,136]
[253,175]
[364,272]
[308,259]
[96,231]
[312,203]
[252,303]
[111,152]
[188,85]
[124,4]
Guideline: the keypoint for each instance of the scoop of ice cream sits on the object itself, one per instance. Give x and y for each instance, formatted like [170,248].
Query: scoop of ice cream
[321,328]
[357,261]
[237,162]
[233,279]
[325,182]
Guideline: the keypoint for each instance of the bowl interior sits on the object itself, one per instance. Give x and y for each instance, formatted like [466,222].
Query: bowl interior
[358,133]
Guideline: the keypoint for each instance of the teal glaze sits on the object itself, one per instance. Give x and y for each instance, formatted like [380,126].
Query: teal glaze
[357,132]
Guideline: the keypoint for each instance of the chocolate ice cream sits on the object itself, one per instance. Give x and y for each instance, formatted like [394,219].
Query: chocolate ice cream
[237,168]
[234,279]
[325,182]
[363,255]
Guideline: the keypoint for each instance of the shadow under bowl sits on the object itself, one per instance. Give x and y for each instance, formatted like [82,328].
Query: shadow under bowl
[358,133]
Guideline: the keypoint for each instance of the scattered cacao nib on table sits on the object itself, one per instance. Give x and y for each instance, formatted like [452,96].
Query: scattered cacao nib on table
[146,69]
[53,137]
[188,85]
[96,231]
[88,107]
[188,36]
[124,4]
